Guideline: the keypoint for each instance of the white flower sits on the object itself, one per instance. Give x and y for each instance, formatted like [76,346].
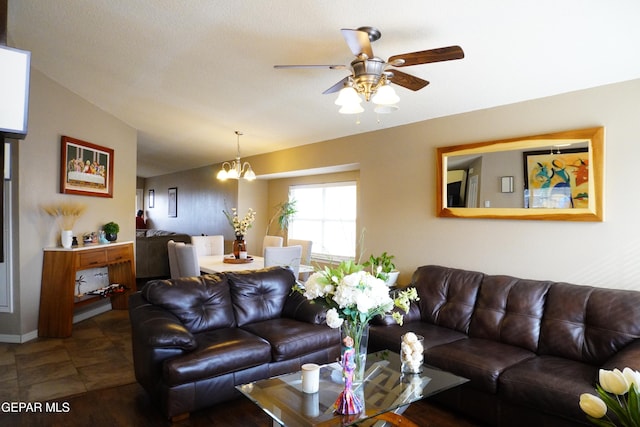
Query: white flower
[333,318]
[633,377]
[613,381]
[592,405]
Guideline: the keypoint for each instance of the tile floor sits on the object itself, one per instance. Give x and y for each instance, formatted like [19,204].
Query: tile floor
[96,356]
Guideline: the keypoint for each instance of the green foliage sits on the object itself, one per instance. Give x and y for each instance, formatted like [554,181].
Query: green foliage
[111,228]
[285,211]
[381,265]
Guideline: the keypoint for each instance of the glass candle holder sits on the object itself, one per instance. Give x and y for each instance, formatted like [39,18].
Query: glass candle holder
[412,353]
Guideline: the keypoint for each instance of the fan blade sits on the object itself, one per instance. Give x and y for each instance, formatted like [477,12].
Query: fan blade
[336,87]
[427,56]
[331,67]
[358,42]
[407,80]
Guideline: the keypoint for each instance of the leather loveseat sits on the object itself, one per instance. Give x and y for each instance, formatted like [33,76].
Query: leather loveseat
[196,338]
[529,347]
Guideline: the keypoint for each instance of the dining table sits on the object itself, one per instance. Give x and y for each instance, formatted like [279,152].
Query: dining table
[222,263]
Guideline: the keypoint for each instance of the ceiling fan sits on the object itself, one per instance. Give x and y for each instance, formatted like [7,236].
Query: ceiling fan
[370,73]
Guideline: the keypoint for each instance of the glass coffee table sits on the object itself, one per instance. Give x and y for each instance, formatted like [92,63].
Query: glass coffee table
[384,390]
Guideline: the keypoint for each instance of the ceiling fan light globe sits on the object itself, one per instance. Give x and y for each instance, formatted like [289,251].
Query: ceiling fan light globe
[351,109]
[385,109]
[348,96]
[385,95]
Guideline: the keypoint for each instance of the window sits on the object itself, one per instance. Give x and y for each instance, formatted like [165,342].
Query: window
[326,214]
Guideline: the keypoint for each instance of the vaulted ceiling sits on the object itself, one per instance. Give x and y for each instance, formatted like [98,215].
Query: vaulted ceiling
[187,74]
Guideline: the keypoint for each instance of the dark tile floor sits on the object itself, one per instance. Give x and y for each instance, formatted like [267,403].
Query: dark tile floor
[98,355]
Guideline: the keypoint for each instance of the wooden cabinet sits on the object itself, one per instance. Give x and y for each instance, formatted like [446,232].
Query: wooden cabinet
[57,293]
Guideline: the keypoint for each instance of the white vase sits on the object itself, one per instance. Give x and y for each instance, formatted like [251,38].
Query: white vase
[66,237]
[392,277]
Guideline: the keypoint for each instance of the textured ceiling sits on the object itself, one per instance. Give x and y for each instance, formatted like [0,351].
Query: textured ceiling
[187,74]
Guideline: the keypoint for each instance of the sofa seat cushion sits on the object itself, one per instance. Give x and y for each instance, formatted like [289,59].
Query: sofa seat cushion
[549,384]
[219,352]
[291,338]
[481,361]
[389,337]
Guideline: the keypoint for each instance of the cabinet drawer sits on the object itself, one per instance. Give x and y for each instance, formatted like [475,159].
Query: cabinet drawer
[92,258]
[118,254]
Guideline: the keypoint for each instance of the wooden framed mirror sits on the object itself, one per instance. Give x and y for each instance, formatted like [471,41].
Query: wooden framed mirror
[556,176]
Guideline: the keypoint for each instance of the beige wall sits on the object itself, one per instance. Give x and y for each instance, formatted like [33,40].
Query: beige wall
[397,192]
[54,111]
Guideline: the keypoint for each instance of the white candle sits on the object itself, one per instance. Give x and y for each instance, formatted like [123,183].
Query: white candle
[310,377]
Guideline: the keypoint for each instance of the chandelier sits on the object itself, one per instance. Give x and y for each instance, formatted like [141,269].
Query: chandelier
[371,82]
[236,169]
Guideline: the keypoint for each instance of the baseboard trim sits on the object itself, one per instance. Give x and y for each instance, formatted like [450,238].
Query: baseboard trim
[84,315]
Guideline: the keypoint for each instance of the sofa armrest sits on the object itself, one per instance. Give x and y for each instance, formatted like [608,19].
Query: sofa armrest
[627,357]
[156,335]
[297,307]
[153,326]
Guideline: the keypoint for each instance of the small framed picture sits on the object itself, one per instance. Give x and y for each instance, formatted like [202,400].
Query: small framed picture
[152,198]
[506,184]
[173,202]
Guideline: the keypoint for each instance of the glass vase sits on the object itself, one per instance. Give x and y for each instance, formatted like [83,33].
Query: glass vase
[239,247]
[359,333]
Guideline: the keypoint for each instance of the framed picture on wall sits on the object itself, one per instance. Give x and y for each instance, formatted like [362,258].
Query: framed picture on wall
[173,202]
[557,179]
[85,168]
[152,198]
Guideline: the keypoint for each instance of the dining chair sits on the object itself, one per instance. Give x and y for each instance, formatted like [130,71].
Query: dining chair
[187,257]
[287,256]
[208,245]
[183,260]
[306,254]
[275,241]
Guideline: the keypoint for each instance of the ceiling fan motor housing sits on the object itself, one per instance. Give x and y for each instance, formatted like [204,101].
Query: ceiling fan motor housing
[367,74]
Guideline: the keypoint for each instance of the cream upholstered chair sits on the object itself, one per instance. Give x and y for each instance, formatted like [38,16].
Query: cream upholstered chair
[208,245]
[288,256]
[275,241]
[183,260]
[173,261]
[306,254]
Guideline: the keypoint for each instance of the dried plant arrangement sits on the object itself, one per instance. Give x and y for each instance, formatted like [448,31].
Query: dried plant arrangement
[66,213]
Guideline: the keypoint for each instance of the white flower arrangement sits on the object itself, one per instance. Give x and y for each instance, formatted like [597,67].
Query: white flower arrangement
[350,293]
[240,226]
[618,391]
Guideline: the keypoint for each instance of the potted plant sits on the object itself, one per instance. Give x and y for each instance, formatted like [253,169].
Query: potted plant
[383,267]
[283,214]
[111,230]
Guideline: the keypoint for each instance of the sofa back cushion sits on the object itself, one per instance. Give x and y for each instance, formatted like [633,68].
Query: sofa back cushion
[510,310]
[447,295]
[589,324]
[259,295]
[201,303]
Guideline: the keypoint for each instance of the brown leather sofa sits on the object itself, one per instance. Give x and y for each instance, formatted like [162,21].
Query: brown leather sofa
[194,339]
[529,347]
